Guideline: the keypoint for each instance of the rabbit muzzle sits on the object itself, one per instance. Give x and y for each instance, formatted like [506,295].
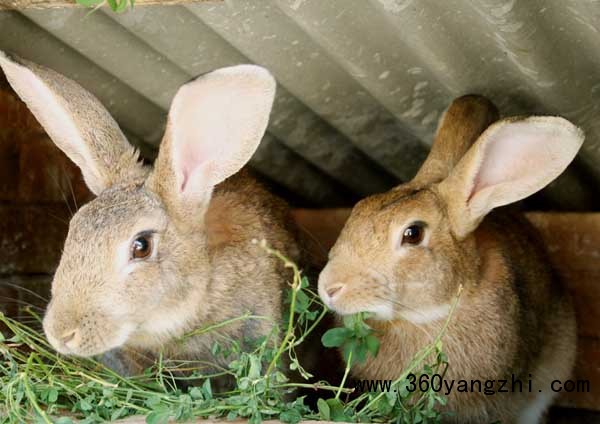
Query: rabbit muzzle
[84,334]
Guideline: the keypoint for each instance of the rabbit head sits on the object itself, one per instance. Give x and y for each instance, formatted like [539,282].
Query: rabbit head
[402,254]
[131,252]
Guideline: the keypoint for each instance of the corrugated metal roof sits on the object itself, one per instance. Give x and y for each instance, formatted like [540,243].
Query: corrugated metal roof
[362,83]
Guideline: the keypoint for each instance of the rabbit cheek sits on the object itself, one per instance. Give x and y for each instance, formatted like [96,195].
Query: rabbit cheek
[420,293]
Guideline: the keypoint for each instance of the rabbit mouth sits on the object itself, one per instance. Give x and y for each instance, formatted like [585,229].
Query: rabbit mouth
[380,310]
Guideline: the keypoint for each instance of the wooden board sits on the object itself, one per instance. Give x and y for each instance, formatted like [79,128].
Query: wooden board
[46,4]
[573,242]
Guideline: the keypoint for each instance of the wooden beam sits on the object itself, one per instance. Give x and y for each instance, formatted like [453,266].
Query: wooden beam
[49,4]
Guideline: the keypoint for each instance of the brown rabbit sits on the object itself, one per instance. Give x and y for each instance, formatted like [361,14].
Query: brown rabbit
[164,250]
[403,254]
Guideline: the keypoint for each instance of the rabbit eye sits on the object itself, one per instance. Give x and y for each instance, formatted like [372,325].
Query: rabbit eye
[414,233]
[141,248]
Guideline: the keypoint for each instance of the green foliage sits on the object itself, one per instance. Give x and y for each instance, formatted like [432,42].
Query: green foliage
[39,385]
[118,6]
[355,336]
[357,340]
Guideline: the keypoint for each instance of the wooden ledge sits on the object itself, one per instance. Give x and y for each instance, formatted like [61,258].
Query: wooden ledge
[53,4]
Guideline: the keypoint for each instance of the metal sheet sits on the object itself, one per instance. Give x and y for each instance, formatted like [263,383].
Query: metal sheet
[362,83]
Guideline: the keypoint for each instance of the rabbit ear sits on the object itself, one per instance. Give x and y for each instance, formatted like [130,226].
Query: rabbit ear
[511,160]
[464,120]
[77,123]
[215,125]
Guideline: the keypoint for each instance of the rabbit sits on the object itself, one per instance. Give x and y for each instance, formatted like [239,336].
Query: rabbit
[163,250]
[402,256]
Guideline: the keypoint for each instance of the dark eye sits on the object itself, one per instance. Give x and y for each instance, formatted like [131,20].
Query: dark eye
[414,233]
[141,247]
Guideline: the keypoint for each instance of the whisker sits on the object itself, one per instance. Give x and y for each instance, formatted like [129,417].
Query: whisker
[20,302]
[72,192]
[18,287]
[62,193]
[57,218]
[314,239]
[419,326]
[140,355]
[386,286]
[395,302]
[36,326]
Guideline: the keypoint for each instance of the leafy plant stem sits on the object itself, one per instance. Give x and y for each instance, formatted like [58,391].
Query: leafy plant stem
[421,356]
[346,373]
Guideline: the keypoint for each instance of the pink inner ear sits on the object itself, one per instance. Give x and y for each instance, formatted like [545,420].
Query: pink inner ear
[190,158]
[513,152]
[200,137]
[215,124]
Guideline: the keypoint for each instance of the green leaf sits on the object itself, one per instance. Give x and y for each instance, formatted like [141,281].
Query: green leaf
[417,418]
[391,396]
[373,345]
[121,6]
[52,395]
[255,367]
[206,389]
[337,410]
[348,347]
[403,389]
[196,393]
[117,414]
[85,405]
[335,337]
[152,401]
[112,4]
[324,411]
[158,417]
[89,3]
[304,283]
[255,419]
[302,302]
[280,377]
[291,416]
[215,349]
[64,420]
[350,321]
[243,383]
[360,351]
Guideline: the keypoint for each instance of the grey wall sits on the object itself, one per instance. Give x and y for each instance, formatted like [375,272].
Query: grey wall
[362,82]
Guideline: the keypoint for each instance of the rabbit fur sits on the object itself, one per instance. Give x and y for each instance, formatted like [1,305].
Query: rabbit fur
[513,317]
[196,211]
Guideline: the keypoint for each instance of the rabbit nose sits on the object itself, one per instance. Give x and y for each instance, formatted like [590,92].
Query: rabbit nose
[70,338]
[333,290]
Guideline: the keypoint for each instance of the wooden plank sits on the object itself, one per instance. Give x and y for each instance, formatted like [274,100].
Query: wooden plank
[586,369]
[31,238]
[573,243]
[49,4]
